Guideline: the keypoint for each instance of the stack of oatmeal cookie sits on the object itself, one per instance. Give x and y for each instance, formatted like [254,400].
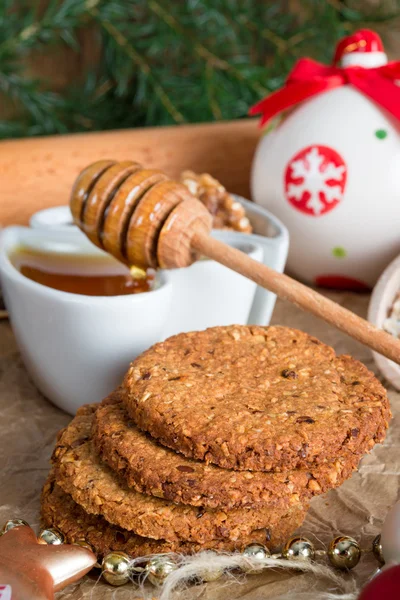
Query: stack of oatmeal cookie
[215,439]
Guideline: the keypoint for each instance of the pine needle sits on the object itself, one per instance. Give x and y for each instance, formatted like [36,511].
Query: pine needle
[163,62]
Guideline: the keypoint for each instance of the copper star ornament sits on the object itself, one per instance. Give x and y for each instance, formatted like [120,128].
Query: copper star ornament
[33,571]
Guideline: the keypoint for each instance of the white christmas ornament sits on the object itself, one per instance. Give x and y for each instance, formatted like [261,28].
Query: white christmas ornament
[390,536]
[331,169]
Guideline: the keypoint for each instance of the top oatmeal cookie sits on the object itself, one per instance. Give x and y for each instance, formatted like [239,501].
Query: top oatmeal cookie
[256,398]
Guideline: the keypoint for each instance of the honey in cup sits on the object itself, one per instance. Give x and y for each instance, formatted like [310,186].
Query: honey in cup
[80,274]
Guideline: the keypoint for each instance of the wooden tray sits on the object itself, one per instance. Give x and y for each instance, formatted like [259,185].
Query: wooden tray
[39,172]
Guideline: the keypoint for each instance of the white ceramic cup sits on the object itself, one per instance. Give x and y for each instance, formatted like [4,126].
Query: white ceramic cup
[268,232]
[77,348]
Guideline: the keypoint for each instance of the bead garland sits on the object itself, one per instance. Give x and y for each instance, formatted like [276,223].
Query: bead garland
[118,568]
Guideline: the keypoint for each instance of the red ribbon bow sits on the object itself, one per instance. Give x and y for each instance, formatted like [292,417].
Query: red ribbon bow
[310,78]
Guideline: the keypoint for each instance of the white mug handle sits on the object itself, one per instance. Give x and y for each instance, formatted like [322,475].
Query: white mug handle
[264,301]
[273,237]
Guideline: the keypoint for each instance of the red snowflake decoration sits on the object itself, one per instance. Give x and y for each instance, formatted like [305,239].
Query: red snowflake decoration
[315,179]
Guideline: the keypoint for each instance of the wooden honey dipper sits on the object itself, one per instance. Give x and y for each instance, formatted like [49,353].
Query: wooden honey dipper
[145,219]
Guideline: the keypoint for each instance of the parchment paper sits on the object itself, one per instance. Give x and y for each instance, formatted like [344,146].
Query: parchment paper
[28,426]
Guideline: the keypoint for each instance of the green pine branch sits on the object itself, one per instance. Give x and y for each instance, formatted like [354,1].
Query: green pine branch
[165,62]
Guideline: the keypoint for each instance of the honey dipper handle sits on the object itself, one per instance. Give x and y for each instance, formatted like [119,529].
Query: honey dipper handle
[299,294]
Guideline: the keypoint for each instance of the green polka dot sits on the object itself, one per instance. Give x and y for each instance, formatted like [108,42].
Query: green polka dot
[381,134]
[339,252]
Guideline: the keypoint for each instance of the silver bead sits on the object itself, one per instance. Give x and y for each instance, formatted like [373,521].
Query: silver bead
[13,523]
[51,536]
[159,567]
[344,553]
[377,550]
[256,553]
[115,568]
[298,548]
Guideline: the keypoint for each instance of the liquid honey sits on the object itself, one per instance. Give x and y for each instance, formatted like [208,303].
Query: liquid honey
[78,274]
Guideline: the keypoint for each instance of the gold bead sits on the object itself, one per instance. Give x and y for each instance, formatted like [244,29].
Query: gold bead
[51,536]
[256,553]
[344,552]
[298,548]
[377,550]
[84,544]
[159,567]
[115,568]
[13,523]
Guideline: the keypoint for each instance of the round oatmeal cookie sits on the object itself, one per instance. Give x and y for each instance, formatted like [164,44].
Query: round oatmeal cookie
[59,510]
[257,398]
[153,469]
[94,486]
